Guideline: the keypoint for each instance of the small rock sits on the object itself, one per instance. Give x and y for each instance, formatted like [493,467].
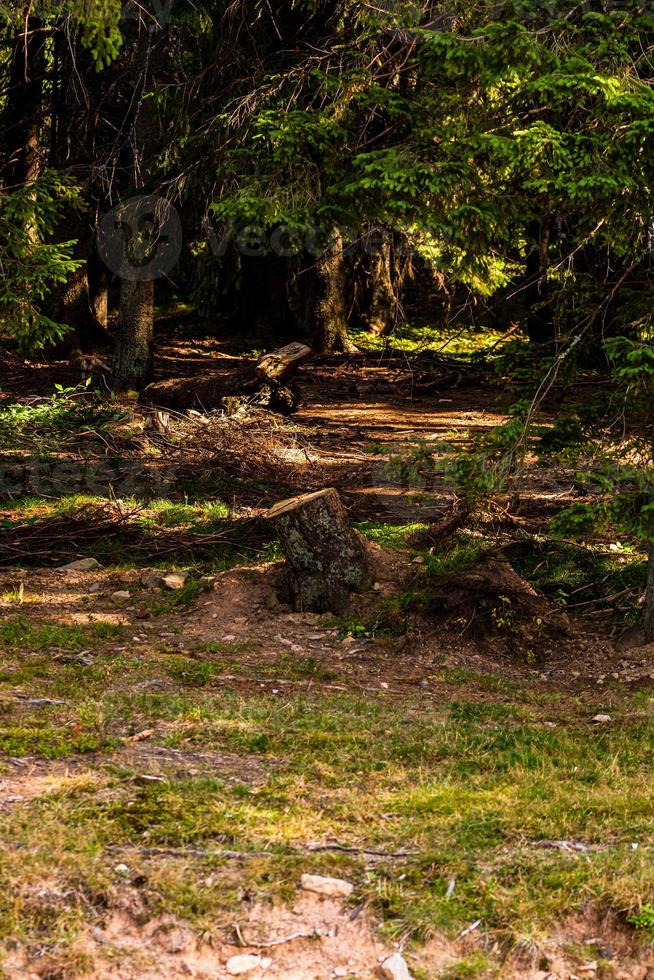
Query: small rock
[395,968]
[81,565]
[602,719]
[340,971]
[419,560]
[121,596]
[151,580]
[240,965]
[332,887]
[384,686]
[175,580]
[266,962]
[122,869]
[378,587]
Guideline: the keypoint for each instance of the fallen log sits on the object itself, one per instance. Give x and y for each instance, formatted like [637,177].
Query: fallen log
[327,559]
[264,385]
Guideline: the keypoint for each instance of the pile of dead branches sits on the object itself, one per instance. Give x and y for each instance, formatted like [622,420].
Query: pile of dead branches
[253,444]
[94,529]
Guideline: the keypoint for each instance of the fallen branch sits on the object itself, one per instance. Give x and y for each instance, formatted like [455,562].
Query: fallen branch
[184,852]
[312,848]
[369,851]
[314,934]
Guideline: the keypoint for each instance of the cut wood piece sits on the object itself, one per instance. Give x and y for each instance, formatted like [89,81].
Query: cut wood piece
[327,558]
[281,364]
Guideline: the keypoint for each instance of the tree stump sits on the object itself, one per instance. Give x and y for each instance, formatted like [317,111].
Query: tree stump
[327,558]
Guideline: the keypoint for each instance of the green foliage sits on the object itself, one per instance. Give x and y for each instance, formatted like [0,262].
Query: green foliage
[577,574]
[31,264]
[643,919]
[97,20]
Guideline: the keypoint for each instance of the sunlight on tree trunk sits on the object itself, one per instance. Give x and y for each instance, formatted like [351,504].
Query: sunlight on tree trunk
[133,357]
[327,304]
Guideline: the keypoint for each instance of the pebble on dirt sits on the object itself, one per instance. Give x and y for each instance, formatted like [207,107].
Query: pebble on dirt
[152,580]
[176,580]
[238,966]
[602,719]
[331,887]
[81,565]
[395,968]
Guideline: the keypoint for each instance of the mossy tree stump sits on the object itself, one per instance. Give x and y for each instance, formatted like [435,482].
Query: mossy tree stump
[327,558]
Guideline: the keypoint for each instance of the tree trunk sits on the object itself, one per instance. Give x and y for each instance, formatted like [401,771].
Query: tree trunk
[72,306]
[22,117]
[133,366]
[322,292]
[540,321]
[327,559]
[377,275]
[99,296]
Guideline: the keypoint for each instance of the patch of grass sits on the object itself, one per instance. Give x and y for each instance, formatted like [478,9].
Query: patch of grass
[412,338]
[469,967]
[459,556]
[20,632]
[205,517]
[458,676]
[392,536]
[194,673]
[297,668]
[15,597]
[174,601]
[46,422]
[50,743]
[226,648]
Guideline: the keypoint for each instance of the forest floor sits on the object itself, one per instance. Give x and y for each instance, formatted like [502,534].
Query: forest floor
[172,761]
